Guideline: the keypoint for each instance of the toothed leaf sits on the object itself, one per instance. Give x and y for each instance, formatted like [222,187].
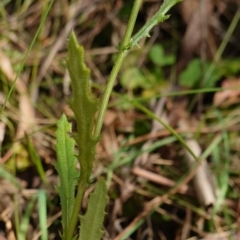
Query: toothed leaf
[83,104]
[66,168]
[92,221]
[160,16]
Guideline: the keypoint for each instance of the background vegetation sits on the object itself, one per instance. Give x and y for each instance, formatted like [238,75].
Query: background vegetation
[187,74]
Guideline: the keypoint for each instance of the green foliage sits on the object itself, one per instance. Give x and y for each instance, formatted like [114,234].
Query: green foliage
[22,233]
[133,78]
[158,57]
[194,72]
[83,104]
[158,17]
[66,168]
[230,66]
[125,11]
[36,159]
[25,56]
[42,213]
[91,222]
[141,127]
[8,176]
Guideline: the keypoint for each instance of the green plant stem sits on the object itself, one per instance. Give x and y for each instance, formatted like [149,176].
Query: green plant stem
[131,23]
[108,91]
[82,184]
[122,54]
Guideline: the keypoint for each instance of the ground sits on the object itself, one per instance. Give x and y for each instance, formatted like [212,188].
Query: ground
[169,146]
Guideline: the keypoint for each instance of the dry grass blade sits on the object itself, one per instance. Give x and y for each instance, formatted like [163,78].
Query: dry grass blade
[157,179]
[202,179]
[26,116]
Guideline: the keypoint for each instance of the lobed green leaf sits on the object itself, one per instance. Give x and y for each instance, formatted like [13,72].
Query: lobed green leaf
[66,168]
[92,221]
[83,104]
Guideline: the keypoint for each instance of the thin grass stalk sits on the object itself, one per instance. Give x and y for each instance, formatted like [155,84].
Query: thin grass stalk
[25,57]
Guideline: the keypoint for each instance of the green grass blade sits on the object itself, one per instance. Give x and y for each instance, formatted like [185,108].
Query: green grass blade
[211,147]
[22,235]
[36,160]
[133,229]
[16,214]
[91,222]
[121,158]
[42,212]
[166,126]
[224,165]
[8,176]
[25,57]
[66,168]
